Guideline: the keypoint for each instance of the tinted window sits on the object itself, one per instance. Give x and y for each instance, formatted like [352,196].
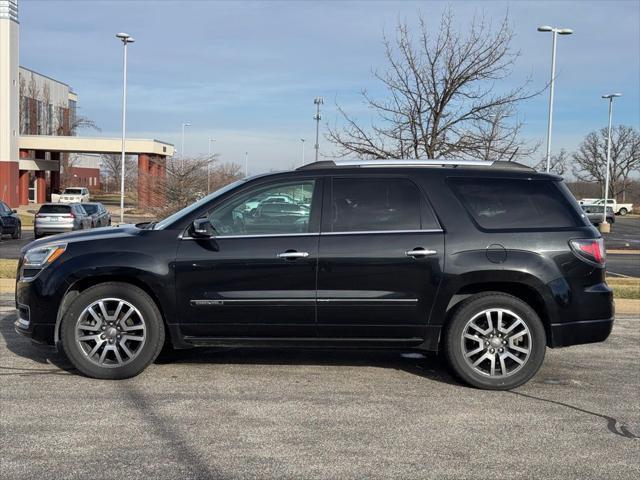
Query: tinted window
[370,204]
[3,208]
[91,209]
[72,191]
[54,209]
[80,210]
[514,203]
[249,214]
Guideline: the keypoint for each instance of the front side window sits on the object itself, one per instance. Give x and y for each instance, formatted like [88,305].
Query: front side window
[375,204]
[275,209]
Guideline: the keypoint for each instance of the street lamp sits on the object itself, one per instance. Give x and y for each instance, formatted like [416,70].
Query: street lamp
[126,40]
[604,226]
[302,140]
[182,144]
[211,141]
[556,32]
[317,102]
[246,164]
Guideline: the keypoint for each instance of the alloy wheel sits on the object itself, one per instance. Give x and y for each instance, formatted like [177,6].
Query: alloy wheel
[496,342]
[111,332]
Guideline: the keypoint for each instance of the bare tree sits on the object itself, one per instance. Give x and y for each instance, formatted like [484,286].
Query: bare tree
[186,182]
[559,163]
[442,100]
[591,158]
[111,166]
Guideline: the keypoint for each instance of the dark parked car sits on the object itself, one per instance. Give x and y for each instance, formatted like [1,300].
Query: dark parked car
[10,223]
[594,214]
[100,216]
[490,263]
[60,218]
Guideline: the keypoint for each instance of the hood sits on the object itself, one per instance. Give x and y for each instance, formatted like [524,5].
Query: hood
[127,230]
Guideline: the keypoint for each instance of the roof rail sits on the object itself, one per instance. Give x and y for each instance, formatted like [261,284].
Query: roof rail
[415,163]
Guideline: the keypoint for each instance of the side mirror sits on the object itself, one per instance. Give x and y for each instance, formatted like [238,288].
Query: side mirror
[202,228]
[14,211]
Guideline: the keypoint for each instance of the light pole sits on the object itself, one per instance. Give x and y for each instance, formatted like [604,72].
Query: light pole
[126,40]
[182,144]
[246,164]
[317,102]
[211,141]
[604,226]
[555,31]
[302,140]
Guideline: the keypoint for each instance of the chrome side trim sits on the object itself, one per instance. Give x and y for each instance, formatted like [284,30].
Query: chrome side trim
[218,302]
[369,300]
[266,235]
[382,232]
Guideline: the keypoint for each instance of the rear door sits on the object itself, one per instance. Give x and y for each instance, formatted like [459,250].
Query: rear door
[380,259]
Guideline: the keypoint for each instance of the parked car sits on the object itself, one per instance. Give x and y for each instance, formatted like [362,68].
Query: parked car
[100,216]
[522,270]
[618,208]
[10,223]
[75,195]
[594,214]
[60,218]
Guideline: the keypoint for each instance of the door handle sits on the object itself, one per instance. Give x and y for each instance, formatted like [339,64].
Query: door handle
[293,255]
[420,252]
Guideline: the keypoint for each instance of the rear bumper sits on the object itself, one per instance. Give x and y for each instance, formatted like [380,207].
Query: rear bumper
[576,333]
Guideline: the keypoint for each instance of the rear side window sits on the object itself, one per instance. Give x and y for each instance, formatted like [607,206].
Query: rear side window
[507,203]
[372,204]
[55,209]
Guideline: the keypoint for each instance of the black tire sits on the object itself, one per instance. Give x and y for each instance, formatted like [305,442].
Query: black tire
[623,211]
[147,353]
[454,340]
[17,233]
[36,235]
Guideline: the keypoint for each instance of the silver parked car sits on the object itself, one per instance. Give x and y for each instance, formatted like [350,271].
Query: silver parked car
[594,214]
[60,218]
[100,216]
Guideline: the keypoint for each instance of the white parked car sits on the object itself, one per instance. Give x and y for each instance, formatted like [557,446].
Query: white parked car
[618,208]
[74,195]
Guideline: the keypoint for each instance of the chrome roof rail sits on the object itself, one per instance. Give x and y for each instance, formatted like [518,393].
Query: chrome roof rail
[413,163]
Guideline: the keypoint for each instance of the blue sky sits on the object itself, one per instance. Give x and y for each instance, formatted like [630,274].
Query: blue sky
[246,72]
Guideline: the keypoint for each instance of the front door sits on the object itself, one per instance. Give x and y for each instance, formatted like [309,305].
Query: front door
[257,276]
[381,254]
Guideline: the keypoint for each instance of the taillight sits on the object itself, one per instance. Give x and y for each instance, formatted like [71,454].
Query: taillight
[591,250]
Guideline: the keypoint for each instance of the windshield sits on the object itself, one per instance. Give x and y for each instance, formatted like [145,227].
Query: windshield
[194,206]
[72,191]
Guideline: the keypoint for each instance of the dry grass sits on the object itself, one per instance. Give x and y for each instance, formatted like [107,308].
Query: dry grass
[8,268]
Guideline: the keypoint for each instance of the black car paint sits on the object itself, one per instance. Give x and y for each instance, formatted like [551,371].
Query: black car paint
[346,292]
[9,220]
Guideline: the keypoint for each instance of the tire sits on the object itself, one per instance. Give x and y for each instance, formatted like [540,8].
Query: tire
[17,233]
[143,327]
[623,211]
[494,342]
[36,235]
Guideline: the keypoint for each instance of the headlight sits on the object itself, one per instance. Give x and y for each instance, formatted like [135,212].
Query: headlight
[40,257]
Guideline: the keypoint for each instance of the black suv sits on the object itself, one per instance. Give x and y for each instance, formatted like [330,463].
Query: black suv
[488,262]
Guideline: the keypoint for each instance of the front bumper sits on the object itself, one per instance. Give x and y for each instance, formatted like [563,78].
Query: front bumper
[39,333]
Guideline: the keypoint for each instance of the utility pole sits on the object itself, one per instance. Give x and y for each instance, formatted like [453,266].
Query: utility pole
[246,164]
[604,226]
[126,39]
[302,140]
[317,101]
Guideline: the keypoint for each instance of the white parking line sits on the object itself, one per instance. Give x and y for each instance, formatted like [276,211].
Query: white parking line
[609,272]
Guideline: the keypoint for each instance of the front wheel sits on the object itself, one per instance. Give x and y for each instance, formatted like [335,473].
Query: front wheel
[17,233]
[112,331]
[495,341]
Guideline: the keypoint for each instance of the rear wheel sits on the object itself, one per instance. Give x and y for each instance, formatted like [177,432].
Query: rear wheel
[623,211]
[495,341]
[112,331]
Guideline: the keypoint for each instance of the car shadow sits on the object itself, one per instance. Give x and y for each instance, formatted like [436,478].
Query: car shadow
[56,363]
[427,365]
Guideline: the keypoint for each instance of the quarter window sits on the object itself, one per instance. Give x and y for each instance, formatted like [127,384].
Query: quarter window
[506,203]
[275,209]
[375,204]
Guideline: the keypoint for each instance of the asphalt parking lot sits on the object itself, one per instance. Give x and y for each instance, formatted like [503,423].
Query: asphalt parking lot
[294,414]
